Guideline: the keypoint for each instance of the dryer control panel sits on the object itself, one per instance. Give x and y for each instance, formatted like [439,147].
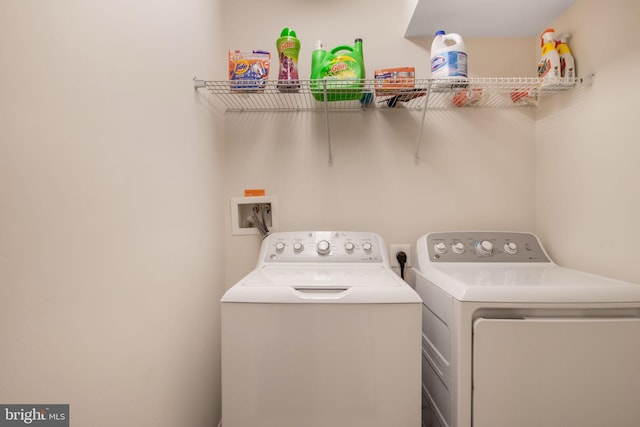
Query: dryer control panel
[484,246]
[324,246]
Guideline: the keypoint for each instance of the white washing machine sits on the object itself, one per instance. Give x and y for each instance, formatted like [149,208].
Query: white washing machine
[322,333]
[510,339]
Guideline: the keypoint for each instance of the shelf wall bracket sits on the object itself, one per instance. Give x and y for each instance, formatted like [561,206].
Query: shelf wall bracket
[198,84]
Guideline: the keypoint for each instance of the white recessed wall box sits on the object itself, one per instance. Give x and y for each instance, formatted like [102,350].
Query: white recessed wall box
[247,212]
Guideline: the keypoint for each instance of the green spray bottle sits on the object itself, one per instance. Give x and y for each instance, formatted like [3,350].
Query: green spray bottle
[340,71]
[288,47]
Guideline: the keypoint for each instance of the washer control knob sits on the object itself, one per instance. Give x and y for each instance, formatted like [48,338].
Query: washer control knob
[349,246]
[458,247]
[323,247]
[440,247]
[279,247]
[484,248]
[367,246]
[510,248]
[298,247]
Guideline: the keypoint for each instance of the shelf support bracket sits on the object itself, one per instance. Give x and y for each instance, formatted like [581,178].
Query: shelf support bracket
[326,116]
[424,114]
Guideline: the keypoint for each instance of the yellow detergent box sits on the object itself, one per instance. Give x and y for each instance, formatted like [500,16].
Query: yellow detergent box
[249,70]
[389,80]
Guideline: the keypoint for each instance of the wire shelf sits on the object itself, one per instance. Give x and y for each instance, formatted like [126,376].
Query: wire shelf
[310,95]
[417,94]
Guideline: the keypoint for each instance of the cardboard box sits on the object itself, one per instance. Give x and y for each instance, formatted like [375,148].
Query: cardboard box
[393,80]
[249,71]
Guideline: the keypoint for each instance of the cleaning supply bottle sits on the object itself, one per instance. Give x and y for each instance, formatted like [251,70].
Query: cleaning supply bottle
[288,47]
[567,63]
[448,56]
[341,70]
[549,65]
[317,59]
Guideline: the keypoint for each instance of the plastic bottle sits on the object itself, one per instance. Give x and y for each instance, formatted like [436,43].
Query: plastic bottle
[448,56]
[288,47]
[317,58]
[341,70]
[549,65]
[567,63]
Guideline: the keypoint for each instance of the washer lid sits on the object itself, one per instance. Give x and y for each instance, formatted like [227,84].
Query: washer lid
[314,283]
[545,283]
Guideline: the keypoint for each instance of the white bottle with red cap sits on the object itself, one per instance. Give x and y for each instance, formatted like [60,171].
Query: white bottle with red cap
[567,63]
[549,65]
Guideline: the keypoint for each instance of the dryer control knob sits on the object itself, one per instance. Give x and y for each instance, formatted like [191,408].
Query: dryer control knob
[279,247]
[484,248]
[367,246]
[510,248]
[298,247]
[440,248]
[349,246]
[323,247]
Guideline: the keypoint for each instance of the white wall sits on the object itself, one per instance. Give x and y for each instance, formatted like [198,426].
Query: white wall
[588,197]
[110,210]
[477,168]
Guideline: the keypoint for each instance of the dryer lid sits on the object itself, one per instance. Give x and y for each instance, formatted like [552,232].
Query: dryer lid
[528,283]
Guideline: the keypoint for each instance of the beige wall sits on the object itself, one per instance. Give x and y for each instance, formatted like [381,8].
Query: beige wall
[587,155]
[110,211]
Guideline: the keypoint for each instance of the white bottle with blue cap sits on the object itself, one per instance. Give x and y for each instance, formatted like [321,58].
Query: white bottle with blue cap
[448,56]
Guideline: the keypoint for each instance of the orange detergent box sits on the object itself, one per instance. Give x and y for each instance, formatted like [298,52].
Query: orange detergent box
[389,80]
[249,70]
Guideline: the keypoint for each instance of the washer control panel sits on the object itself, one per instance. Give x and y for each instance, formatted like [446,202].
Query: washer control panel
[324,246]
[484,246]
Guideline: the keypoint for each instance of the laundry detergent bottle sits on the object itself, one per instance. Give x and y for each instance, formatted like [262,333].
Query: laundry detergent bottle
[549,65]
[448,56]
[567,63]
[340,71]
[288,47]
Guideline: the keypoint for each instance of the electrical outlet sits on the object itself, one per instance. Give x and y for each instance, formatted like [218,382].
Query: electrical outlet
[394,249]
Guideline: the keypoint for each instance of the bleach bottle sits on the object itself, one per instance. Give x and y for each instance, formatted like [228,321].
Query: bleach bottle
[448,56]
[549,65]
[567,63]
[341,70]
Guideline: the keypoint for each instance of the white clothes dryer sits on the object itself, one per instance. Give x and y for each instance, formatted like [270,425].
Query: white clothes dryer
[512,339]
[322,333]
